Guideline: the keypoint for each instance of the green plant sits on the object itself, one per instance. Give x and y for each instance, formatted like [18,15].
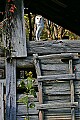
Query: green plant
[29,90]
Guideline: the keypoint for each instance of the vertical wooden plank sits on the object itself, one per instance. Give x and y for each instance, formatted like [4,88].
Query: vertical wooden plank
[18,32]
[2,100]
[16,40]
[38,71]
[72,90]
[11,89]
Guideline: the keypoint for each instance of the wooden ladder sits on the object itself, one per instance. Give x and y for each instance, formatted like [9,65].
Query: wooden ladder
[69,77]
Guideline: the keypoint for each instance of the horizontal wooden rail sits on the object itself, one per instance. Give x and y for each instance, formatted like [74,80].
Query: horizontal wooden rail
[59,56]
[57,105]
[53,47]
[21,62]
[56,77]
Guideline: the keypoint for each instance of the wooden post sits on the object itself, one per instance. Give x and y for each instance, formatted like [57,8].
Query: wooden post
[38,71]
[2,100]
[11,89]
[2,84]
[72,90]
[14,39]
[18,36]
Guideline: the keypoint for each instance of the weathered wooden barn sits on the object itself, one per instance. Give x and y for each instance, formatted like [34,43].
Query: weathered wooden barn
[55,64]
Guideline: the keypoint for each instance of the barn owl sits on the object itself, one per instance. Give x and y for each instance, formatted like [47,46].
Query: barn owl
[39,26]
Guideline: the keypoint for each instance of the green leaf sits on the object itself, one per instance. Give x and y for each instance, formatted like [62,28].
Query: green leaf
[24,100]
[22,84]
[33,92]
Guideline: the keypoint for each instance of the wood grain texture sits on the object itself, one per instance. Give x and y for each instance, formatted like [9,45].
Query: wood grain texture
[72,89]
[18,35]
[11,89]
[58,105]
[53,47]
[2,100]
[56,77]
[38,72]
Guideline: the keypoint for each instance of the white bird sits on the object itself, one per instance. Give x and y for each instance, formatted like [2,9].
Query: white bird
[39,26]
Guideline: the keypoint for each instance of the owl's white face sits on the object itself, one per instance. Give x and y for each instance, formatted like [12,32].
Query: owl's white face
[38,19]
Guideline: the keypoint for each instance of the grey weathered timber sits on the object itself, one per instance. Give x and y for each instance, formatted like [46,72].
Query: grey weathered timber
[38,71]
[53,47]
[58,105]
[18,37]
[67,117]
[20,62]
[2,100]
[57,85]
[11,89]
[56,77]
[72,90]
[55,67]
[59,56]
[25,62]
[2,62]
[50,47]
[21,110]
[57,88]
[32,117]
[77,75]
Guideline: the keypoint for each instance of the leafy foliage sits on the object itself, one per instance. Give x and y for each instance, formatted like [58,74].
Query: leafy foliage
[48,31]
[29,90]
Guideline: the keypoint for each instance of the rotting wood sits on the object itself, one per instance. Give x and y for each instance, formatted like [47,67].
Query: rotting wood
[38,71]
[11,89]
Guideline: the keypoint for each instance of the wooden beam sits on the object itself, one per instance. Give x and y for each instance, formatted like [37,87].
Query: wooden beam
[11,89]
[64,77]
[20,62]
[59,56]
[53,47]
[57,105]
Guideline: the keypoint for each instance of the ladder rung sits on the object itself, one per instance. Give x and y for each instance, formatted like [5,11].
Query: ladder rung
[59,56]
[56,77]
[57,105]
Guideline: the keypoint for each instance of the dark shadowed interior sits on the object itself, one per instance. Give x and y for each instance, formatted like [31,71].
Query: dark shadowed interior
[63,12]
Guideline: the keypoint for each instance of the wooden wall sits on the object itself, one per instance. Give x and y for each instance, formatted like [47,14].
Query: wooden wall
[53,91]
